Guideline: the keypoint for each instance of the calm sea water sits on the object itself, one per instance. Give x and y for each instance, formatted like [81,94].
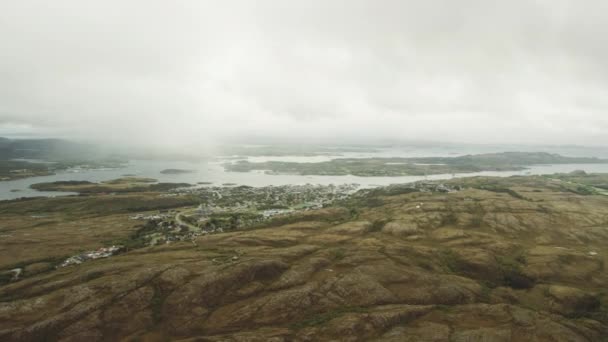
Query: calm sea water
[212,171]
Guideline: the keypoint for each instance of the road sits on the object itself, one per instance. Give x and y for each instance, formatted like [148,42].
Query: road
[180,222]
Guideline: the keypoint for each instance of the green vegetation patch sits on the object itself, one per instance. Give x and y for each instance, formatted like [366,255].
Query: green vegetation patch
[509,269]
[322,318]
[498,189]
[338,254]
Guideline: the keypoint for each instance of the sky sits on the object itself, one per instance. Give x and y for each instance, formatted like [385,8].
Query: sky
[177,73]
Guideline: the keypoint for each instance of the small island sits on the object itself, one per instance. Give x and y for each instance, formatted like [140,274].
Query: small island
[175,171]
[120,185]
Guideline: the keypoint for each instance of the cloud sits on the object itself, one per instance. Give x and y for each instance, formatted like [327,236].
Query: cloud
[193,72]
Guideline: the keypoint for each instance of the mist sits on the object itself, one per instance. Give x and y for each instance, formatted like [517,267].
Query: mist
[183,74]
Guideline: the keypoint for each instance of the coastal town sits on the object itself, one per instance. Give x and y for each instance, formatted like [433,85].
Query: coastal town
[221,209]
[230,208]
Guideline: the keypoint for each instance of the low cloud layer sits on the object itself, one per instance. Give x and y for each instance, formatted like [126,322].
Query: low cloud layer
[177,73]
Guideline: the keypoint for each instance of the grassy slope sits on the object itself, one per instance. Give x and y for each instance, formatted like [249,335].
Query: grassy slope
[46,228]
[505,258]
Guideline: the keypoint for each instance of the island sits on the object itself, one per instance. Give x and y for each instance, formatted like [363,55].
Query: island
[13,169]
[175,171]
[120,185]
[393,167]
[19,169]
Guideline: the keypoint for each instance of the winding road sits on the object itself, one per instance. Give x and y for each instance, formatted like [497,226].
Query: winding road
[178,219]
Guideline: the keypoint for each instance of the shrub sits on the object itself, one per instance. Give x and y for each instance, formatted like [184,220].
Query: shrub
[377,225]
[511,270]
[338,254]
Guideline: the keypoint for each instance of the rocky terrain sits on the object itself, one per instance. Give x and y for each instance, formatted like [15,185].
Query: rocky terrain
[516,259]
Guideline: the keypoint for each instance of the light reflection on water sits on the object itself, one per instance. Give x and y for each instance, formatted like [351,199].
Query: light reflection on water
[212,171]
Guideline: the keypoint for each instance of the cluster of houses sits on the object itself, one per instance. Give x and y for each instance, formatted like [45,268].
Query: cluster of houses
[233,207]
[275,212]
[225,208]
[102,252]
[163,214]
[239,206]
[20,171]
[284,195]
[434,187]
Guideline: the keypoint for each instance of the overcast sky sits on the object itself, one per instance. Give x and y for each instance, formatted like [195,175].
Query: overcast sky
[188,72]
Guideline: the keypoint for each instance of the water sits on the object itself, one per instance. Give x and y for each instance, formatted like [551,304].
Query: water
[212,171]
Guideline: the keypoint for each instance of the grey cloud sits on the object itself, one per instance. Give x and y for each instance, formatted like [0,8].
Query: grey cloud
[188,72]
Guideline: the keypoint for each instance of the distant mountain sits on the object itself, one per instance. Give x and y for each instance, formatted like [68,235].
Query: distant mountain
[47,149]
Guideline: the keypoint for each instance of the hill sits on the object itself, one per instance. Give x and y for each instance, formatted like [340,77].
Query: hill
[474,259]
